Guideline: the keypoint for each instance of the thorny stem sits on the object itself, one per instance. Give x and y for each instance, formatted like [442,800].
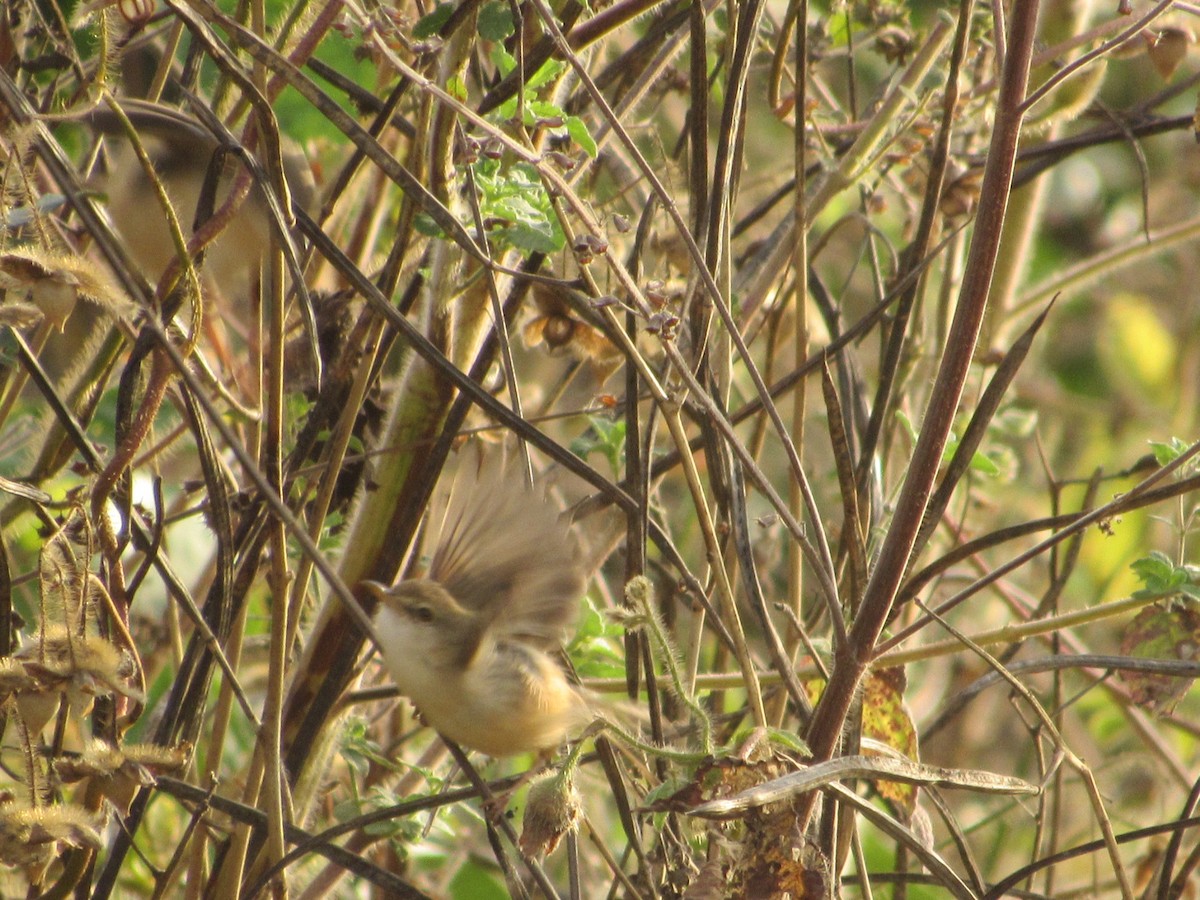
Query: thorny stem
[640,593]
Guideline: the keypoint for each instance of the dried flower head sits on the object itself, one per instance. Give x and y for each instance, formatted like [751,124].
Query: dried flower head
[557,325]
[88,664]
[118,772]
[552,810]
[55,282]
[32,836]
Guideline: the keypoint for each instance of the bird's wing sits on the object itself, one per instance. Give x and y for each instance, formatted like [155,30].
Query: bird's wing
[503,550]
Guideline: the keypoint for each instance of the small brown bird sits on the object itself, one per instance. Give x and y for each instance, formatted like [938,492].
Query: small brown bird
[180,149]
[470,644]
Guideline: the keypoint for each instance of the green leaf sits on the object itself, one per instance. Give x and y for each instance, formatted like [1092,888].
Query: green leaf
[594,623]
[533,239]
[549,70]
[403,830]
[596,650]
[495,21]
[473,881]
[507,110]
[605,436]
[504,62]
[542,109]
[518,206]
[665,791]
[790,740]
[980,461]
[1015,422]
[1162,578]
[907,423]
[428,26]
[515,207]
[1166,452]
[359,750]
[580,135]
[457,88]
[424,224]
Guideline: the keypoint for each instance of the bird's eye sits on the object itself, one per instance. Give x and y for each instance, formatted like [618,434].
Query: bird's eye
[423,614]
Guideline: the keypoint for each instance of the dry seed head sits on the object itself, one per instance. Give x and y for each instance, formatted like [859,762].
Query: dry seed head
[138,761]
[36,702]
[552,810]
[99,758]
[28,834]
[63,575]
[119,772]
[55,282]
[157,758]
[90,663]
[15,678]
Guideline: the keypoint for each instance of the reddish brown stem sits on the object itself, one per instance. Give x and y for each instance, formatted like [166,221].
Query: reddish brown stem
[854,656]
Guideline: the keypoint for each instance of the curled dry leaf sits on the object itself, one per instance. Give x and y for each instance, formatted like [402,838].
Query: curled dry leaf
[23,490]
[764,855]
[1149,870]
[15,678]
[894,44]
[961,193]
[1168,629]
[712,883]
[100,758]
[36,702]
[851,767]
[1167,50]
[780,863]
[142,761]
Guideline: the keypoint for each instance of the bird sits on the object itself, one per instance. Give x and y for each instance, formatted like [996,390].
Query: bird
[180,149]
[472,642]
